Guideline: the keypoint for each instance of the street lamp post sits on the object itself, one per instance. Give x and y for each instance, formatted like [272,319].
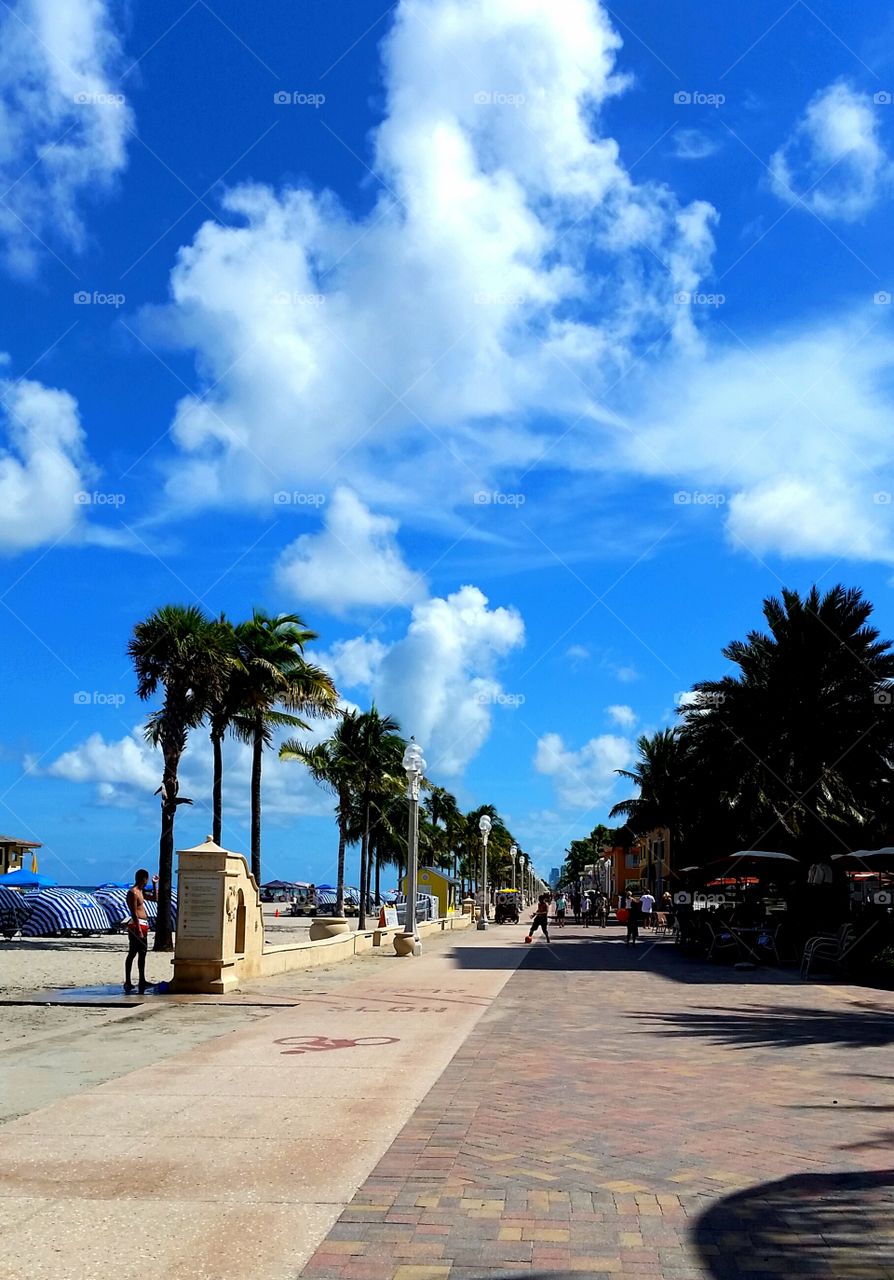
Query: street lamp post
[484,826]
[408,943]
[513,854]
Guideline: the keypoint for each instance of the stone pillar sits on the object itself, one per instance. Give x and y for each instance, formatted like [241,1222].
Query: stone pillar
[220,928]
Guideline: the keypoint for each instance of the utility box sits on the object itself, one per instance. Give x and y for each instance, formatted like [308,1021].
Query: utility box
[220,929]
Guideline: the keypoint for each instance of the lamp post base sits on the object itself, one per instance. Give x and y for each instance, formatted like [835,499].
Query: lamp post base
[482,923]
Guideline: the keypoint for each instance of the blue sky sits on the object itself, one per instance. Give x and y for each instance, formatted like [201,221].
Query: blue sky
[522,350]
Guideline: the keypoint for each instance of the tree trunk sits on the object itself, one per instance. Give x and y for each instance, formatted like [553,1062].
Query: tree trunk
[340,879]
[372,856]
[340,871]
[378,880]
[164,934]
[217,789]
[364,855]
[257,748]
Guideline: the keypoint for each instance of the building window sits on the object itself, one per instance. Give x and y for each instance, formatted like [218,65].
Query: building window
[631,861]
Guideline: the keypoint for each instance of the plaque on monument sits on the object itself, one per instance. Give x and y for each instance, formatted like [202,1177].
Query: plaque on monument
[199,906]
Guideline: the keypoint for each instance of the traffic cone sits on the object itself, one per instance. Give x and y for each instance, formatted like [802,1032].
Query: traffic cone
[381,917]
[276,913]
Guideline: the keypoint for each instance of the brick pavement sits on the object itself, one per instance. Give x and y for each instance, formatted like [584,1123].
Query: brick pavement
[638,1114]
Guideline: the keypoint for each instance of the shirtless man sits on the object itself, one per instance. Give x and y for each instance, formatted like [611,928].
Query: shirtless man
[138,928]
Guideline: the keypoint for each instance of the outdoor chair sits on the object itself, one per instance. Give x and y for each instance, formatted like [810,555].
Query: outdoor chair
[780,946]
[720,941]
[830,948]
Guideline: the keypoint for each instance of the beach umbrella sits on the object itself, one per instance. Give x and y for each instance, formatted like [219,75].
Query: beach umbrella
[23,879]
[114,902]
[14,911]
[56,911]
[866,859]
[757,861]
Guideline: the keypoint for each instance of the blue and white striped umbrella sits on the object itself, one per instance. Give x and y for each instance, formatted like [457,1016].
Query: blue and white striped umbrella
[14,911]
[115,903]
[62,910]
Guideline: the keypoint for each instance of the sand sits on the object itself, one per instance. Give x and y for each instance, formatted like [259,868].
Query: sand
[28,965]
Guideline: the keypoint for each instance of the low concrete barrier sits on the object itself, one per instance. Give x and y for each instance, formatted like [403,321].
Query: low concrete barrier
[293,956]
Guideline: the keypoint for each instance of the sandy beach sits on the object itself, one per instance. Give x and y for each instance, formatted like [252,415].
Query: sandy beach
[29,965]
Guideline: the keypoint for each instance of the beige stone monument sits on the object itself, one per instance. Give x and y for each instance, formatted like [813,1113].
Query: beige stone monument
[219,939]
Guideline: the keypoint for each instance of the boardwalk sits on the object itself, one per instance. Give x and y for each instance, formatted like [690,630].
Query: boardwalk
[489,1111]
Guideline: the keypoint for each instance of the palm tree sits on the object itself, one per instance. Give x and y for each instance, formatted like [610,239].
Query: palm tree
[276,675]
[441,807]
[333,765]
[222,711]
[379,752]
[801,737]
[179,649]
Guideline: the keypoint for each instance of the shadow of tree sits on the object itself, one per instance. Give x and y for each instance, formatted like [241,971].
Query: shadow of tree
[783,1026]
[603,951]
[826,1226]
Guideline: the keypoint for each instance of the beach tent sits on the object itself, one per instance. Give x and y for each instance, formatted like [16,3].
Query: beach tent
[55,911]
[23,879]
[114,902]
[14,911]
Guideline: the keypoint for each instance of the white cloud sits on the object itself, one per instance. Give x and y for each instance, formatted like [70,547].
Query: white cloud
[833,164]
[43,466]
[128,762]
[439,680]
[788,438]
[692,144]
[624,716]
[412,347]
[126,770]
[354,562]
[584,779]
[63,131]
[577,654]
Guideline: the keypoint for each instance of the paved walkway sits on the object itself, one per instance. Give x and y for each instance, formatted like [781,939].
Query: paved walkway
[636,1114]
[613,1112]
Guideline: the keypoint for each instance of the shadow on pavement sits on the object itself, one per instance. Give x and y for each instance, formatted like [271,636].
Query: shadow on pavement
[826,1226]
[592,951]
[780,1027]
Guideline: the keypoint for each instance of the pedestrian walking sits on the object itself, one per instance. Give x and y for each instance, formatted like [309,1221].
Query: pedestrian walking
[138,928]
[647,906]
[575,905]
[541,918]
[634,920]
[561,907]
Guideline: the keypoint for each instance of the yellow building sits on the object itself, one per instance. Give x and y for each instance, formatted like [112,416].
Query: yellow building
[12,853]
[440,885]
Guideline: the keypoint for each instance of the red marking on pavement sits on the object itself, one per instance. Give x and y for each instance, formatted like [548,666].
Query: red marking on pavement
[318,1044]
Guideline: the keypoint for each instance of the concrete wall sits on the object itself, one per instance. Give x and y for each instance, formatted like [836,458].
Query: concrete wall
[309,955]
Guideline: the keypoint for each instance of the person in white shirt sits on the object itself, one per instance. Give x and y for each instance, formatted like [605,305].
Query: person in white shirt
[647,902]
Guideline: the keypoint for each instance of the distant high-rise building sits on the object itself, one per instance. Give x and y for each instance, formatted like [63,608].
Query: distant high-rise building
[554,876]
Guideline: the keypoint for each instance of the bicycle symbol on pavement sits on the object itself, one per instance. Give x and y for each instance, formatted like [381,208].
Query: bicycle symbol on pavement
[319,1044]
